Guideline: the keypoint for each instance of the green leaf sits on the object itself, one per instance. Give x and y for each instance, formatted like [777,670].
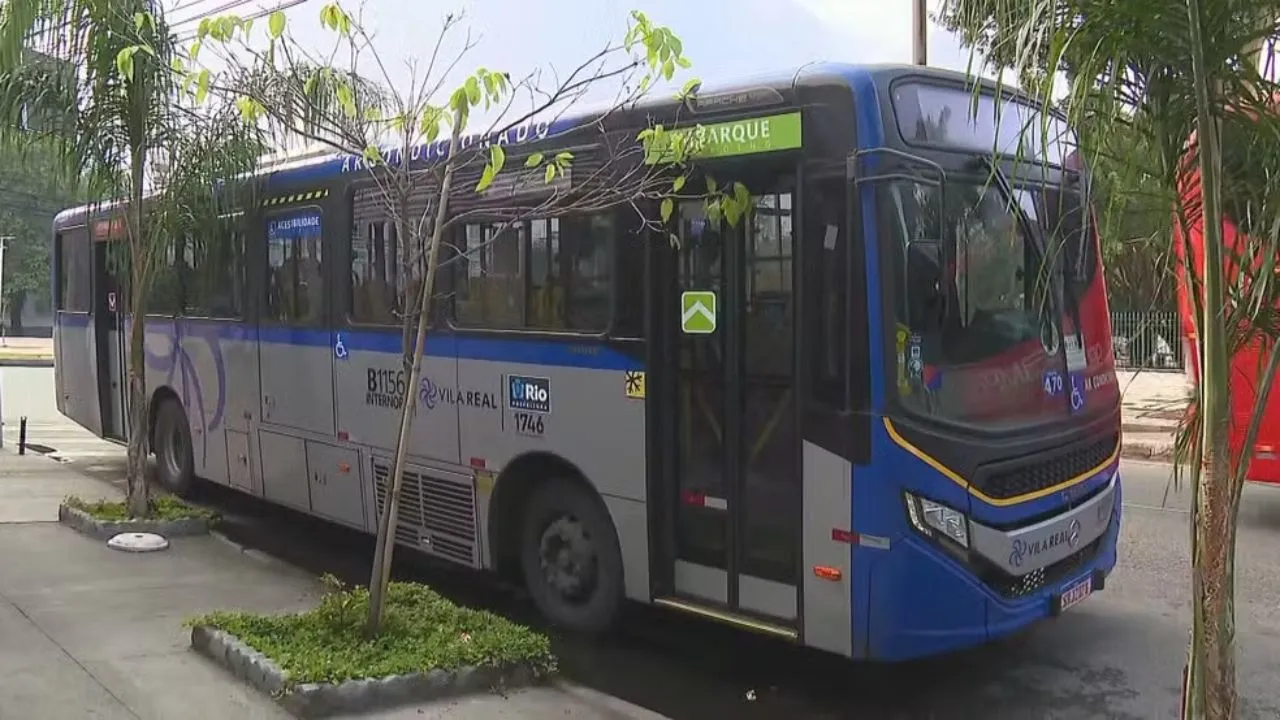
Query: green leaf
[678,184]
[668,69]
[486,178]
[347,99]
[689,86]
[683,62]
[668,207]
[124,62]
[275,25]
[564,159]
[430,125]
[202,86]
[497,158]
[473,90]
[550,174]
[534,160]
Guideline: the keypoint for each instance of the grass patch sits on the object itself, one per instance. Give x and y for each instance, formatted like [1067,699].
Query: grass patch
[423,632]
[163,507]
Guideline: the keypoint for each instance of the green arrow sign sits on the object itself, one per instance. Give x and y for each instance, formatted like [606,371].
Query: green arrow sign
[698,312]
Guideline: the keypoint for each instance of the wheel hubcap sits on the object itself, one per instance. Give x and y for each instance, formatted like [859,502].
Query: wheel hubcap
[568,558]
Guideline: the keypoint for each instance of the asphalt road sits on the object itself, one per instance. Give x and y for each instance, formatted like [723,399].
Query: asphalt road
[1117,655]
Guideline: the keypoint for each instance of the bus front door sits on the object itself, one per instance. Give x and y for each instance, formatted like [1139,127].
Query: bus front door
[723,399]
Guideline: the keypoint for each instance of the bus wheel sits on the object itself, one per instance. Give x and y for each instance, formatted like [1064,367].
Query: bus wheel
[571,560]
[175,464]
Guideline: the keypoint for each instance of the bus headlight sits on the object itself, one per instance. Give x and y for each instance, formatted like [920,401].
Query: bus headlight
[931,517]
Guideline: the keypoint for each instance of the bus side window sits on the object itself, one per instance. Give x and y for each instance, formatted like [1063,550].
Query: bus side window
[295,273]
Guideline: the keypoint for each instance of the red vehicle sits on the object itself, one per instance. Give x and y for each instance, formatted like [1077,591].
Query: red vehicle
[1264,456]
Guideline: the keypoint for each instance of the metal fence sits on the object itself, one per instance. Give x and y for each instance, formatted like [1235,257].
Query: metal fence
[1147,340]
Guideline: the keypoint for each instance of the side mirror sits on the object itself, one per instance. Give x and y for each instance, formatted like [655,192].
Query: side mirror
[926,285]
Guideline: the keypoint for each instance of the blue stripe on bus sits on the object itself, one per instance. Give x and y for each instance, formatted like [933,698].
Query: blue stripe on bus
[588,353]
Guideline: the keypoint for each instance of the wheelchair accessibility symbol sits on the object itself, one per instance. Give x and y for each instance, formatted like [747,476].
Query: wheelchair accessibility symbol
[1077,392]
[340,348]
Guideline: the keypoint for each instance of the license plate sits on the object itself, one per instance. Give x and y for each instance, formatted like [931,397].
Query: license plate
[1075,594]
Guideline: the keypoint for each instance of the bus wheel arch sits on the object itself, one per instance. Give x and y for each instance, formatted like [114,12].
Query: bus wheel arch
[538,486]
[170,440]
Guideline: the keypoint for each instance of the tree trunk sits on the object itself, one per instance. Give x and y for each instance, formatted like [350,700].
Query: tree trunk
[137,500]
[385,547]
[1209,690]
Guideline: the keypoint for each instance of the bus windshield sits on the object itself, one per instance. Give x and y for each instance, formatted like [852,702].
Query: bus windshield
[976,340]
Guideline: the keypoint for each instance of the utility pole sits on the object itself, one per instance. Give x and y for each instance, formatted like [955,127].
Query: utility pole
[919,32]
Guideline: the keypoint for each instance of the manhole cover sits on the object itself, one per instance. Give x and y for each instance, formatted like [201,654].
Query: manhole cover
[138,542]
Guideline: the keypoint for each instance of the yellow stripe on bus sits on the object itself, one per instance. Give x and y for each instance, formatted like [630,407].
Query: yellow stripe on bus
[999,502]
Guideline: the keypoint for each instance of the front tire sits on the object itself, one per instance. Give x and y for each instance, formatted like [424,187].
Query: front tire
[571,560]
[175,461]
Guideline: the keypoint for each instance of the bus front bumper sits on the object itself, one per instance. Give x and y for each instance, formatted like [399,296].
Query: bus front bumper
[923,602]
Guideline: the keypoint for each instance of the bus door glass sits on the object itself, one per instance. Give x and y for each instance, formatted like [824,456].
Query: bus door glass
[110,285]
[731,334]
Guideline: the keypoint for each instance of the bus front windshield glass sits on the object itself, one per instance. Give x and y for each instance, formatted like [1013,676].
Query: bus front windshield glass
[978,320]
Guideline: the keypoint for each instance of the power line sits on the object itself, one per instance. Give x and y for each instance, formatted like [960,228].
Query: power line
[227,7]
[190,35]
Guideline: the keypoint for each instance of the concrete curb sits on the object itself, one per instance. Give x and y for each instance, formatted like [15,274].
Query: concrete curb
[86,524]
[35,362]
[1153,451]
[314,700]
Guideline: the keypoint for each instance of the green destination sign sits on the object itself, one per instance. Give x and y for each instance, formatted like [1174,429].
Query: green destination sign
[737,137]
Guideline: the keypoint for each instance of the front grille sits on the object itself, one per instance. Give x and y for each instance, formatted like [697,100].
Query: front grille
[1040,474]
[1015,587]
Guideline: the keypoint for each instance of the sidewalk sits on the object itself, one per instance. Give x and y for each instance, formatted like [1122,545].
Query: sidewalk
[1153,403]
[25,351]
[86,631]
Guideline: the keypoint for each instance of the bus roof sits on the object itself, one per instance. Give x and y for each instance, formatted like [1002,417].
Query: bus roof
[314,169]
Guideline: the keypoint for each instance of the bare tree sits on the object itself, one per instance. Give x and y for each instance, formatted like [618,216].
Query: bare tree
[411,139]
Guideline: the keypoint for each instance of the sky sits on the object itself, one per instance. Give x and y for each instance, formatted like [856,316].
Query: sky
[725,39]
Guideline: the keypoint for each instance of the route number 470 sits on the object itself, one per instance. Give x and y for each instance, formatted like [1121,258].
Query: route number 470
[1053,383]
[528,423]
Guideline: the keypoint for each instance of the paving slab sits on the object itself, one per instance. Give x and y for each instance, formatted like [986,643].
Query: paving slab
[33,486]
[34,670]
[119,615]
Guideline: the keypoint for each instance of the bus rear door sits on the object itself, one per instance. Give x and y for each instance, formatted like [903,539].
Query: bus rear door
[108,323]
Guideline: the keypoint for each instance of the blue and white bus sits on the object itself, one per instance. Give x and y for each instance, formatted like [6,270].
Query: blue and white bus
[844,421]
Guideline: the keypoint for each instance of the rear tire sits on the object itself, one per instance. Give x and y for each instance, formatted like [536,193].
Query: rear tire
[175,462]
[571,560]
